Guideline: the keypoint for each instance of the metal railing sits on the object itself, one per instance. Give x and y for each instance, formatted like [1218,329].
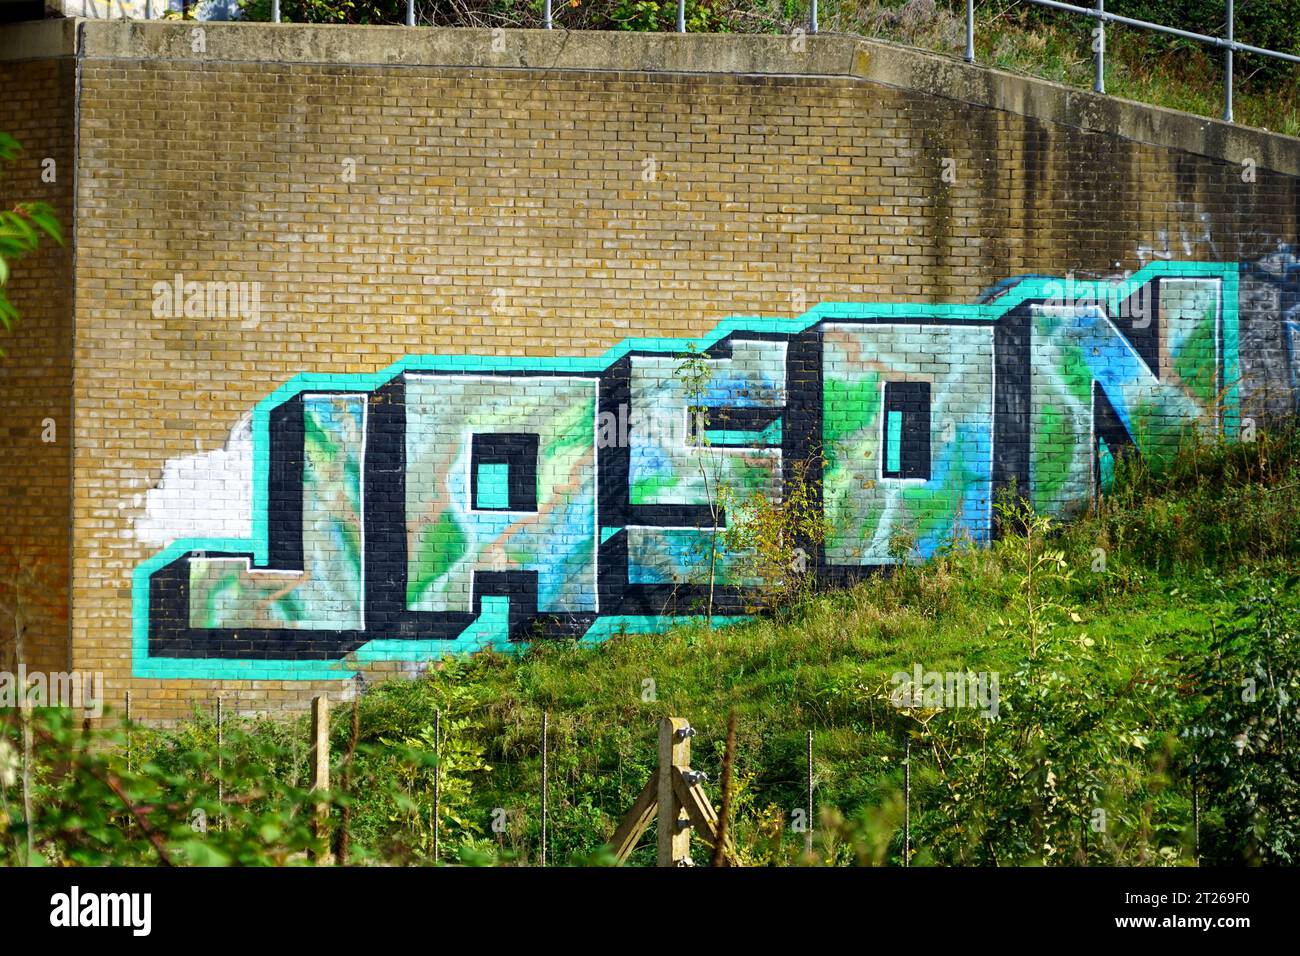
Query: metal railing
[1229,45]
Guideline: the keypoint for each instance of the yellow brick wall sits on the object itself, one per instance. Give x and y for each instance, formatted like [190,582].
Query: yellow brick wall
[765,192]
[36,371]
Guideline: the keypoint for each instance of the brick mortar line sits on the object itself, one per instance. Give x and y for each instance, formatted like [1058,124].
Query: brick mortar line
[1201,128]
[843,80]
[847,78]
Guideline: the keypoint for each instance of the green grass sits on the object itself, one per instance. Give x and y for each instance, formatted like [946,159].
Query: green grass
[1182,550]
[1140,65]
[1115,681]
[821,672]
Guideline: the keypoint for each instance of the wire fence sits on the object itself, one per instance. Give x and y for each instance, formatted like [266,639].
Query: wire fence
[548,798]
[562,802]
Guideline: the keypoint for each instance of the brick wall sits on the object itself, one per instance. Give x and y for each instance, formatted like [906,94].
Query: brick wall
[36,371]
[540,217]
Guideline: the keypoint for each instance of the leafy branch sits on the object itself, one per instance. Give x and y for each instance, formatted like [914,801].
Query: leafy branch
[21,231]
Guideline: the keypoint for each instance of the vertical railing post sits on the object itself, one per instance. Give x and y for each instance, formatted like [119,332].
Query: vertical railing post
[275,11]
[129,736]
[221,782]
[970,31]
[812,17]
[681,16]
[545,783]
[808,831]
[1227,70]
[1196,817]
[437,779]
[1099,50]
[907,801]
[410,13]
[547,15]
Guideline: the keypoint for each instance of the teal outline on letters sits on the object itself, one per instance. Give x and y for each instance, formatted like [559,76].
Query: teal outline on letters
[258,545]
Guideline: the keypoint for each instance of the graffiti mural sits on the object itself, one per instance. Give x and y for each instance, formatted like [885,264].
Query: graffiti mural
[450,504]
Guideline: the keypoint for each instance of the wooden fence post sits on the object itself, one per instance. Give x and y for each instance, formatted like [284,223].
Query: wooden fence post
[674,797]
[320,762]
[674,752]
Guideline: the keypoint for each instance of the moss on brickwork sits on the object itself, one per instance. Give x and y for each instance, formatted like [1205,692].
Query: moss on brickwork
[386,209]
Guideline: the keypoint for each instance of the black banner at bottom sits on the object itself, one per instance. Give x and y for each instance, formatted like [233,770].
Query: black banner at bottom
[338,905]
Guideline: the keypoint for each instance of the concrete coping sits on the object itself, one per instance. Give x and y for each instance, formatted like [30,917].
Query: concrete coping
[850,58]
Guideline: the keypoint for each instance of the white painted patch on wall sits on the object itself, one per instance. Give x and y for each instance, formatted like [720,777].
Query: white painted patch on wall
[205,495]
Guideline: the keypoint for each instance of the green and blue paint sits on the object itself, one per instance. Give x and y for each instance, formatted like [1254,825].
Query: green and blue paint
[446,505]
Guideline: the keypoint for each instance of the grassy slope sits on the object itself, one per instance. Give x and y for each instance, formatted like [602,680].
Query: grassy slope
[1140,66]
[821,673]
[1181,551]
